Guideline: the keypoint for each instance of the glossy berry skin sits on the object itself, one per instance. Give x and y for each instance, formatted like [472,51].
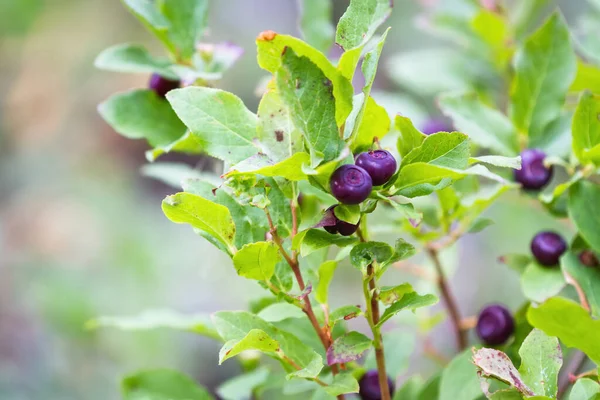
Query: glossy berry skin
[161,85]
[495,325]
[533,174]
[435,125]
[369,386]
[547,247]
[350,184]
[379,164]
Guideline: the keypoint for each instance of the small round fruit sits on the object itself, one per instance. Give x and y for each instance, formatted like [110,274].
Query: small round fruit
[547,247]
[161,85]
[350,184]
[589,259]
[342,227]
[380,164]
[369,386]
[533,174]
[495,325]
[435,125]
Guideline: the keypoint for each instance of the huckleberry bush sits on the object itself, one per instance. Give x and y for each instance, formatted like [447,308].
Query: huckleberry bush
[305,176]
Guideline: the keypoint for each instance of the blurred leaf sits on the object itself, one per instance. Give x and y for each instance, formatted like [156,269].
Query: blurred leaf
[257,260]
[544,70]
[588,77]
[410,137]
[540,283]
[156,319]
[556,199]
[459,379]
[171,173]
[498,161]
[360,21]
[541,359]
[583,196]
[242,387]
[485,126]
[309,95]
[510,394]
[224,127]
[255,339]
[133,58]
[443,148]
[495,364]
[162,384]
[343,383]
[493,29]
[270,50]
[348,348]
[141,114]
[259,164]
[16,17]
[212,218]
[480,224]
[311,240]
[585,389]
[279,311]
[147,12]
[409,301]
[410,389]
[585,279]
[187,144]
[524,13]
[569,322]
[187,21]
[586,129]
[399,346]
[431,388]
[316,23]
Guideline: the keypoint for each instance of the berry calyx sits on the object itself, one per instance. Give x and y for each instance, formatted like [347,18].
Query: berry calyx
[547,247]
[342,227]
[161,85]
[379,164]
[589,259]
[435,125]
[350,184]
[533,174]
[495,325]
[369,386]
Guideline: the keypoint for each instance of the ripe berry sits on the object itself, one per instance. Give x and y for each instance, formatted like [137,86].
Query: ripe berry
[380,165]
[435,125]
[589,259]
[547,247]
[495,325]
[350,184]
[369,386]
[533,174]
[161,85]
[342,227]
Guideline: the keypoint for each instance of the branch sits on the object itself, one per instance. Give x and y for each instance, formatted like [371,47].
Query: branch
[569,370]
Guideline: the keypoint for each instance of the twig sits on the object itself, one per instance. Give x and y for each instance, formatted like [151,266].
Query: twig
[449,300]
[574,365]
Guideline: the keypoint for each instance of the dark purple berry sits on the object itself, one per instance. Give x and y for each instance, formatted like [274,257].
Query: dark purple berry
[379,164]
[342,227]
[533,174]
[547,247]
[495,325]
[369,386]
[161,85]
[435,125]
[350,184]
[589,259]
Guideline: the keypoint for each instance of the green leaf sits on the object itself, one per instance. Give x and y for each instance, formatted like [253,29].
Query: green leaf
[410,389]
[212,218]
[224,127]
[541,359]
[498,161]
[399,346]
[406,210]
[360,21]
[347,348]
[348,213]
[187,21]
[316,25]
[309,95]
[259,164]
[410,137]
[585,389]
[366,253]
[141,114]
[326,271]
[459,379]
[242,387]
[544,69]
[187,144]
[343,383]
[311,240]
[585,279]
[510,394]
[391,294]
[588,78]
[540,283]
[279,311]
[583,197]
[586,129]
[157,319]
[257,260]
[444,149]
[409,301]
[493,363]
[171,173]
[375,123]
[254,340]
[133,58]
[569,322]
[270,49]
[148,14]
[485,126]
[160,384]
[235,325]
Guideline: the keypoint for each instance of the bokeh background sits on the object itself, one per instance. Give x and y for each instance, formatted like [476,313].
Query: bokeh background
[81,230]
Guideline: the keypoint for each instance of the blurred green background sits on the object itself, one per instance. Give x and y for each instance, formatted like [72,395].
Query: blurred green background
[82,233]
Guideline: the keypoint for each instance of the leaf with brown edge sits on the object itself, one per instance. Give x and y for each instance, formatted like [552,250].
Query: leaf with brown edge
[495,364]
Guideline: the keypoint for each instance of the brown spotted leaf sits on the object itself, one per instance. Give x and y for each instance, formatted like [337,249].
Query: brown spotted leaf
[496,364]
[348,348]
